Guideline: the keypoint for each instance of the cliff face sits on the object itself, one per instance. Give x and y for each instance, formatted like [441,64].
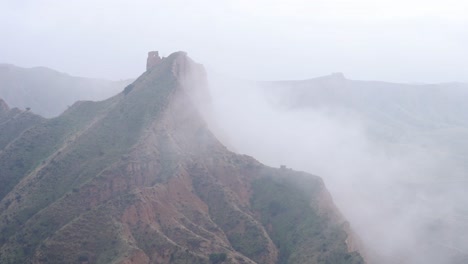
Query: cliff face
[139,178]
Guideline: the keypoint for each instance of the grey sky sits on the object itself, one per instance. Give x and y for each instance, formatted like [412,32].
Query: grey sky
[405,41]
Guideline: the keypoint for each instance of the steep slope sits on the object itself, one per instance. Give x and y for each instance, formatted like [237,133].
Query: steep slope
[48,92]
[13,122]
[139,178]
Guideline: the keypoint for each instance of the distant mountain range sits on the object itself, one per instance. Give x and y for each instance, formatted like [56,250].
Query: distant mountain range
[397,112]
[48,92]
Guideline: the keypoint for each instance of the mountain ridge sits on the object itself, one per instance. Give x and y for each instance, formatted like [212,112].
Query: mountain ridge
[139,178]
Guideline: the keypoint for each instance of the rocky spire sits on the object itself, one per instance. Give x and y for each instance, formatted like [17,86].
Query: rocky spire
[153,59]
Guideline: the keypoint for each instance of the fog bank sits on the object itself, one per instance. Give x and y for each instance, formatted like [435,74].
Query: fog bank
[404,201]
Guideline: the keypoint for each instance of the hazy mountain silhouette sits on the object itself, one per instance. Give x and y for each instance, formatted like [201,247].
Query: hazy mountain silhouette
[48,92]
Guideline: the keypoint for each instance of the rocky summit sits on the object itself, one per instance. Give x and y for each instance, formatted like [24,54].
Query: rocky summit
[139,178]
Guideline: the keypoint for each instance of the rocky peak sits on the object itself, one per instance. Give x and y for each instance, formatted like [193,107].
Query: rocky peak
[190,75]
[153,59]
[338,76]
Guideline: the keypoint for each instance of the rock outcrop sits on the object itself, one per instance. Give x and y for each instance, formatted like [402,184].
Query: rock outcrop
[153,60]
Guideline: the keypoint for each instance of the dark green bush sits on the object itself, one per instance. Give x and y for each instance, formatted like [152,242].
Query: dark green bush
[83,258]
[128,89]
[217,258]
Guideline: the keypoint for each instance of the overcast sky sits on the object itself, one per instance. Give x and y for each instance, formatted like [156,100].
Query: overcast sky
[391,40]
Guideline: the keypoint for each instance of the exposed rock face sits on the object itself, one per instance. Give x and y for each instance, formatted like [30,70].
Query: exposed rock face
[153,60]
[139,178]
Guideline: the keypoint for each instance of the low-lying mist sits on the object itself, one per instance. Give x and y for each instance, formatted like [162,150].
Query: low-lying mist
[405,202]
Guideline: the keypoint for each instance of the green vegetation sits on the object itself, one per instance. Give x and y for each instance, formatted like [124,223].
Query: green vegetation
[68,152]
[243,233]
[77,203]
[299,232]
[13,123]
[251,242]
[217,258]
[128,89]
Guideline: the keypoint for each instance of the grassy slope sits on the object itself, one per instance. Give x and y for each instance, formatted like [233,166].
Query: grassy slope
[300,232]
[66,152]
